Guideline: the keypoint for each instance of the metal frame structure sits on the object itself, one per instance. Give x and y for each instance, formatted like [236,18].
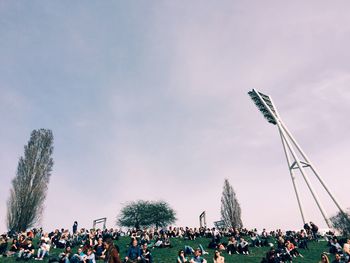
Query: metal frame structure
[100,220]
[220,224]
[296,158]
[202,220]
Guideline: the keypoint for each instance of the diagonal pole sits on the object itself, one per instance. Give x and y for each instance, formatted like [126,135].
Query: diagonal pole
[286,133]
[313,169]
[267,108]
[306,178]
[292,176]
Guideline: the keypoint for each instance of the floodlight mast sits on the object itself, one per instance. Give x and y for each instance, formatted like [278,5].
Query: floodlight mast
[292,177]
[267,108]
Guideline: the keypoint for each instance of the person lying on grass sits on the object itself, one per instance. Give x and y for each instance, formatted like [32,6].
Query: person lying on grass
[197,257]
[181,258]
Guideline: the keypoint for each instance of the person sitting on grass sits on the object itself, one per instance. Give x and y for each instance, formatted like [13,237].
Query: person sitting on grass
[134,253]
[346,250]
[91,241]
[190,251]
[99,248]
[303,240]
[166,241]
[337,259]
[190,234]
[271,256]
[280,242]
[90,256]
[218,258]
[232,246]
[146,256]
[43,249]
[221,247]
[158,242]
[243,247]
[292,250]
[61,243]
[66,256]
[112,252]
[284,256]
[145,238]
[212,243]
[335,247]
[324,258]
[256,242]
[80,256]
[14,248]
[197,257]
[264,238]
[22,243]
[3,244]
[163,241]
[26,251]
[181,258]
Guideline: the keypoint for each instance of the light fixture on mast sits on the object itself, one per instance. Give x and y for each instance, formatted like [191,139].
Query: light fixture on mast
[296,158]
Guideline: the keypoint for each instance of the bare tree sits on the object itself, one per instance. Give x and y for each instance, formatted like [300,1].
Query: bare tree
[230,208]
[27,195]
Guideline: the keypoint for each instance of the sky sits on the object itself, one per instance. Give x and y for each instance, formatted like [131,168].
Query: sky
[148,100]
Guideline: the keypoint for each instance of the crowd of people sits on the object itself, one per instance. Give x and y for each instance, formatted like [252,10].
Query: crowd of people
[91,245]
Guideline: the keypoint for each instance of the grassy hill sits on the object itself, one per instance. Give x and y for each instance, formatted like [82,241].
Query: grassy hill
[168,255]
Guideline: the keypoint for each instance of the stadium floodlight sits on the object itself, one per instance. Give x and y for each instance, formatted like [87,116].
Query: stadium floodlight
[296,158]
[264,104]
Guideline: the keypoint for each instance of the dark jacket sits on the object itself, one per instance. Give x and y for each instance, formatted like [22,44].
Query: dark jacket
[134,252]
[112,255]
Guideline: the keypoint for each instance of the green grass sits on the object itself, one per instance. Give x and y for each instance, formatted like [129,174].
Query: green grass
[168,255]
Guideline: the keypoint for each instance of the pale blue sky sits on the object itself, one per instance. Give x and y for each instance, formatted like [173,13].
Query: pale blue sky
[148,99]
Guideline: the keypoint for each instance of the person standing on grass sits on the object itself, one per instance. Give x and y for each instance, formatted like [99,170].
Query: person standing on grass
[75,227]
[314,231]
[218,258]
[307,228]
